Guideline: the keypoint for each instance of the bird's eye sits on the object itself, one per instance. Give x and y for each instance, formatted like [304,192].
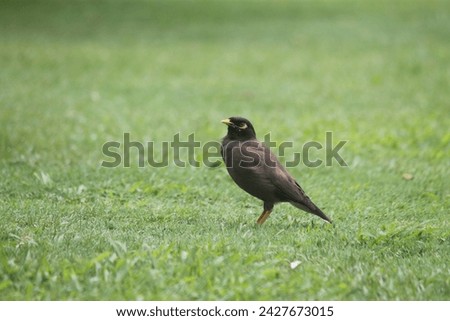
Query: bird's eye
[242,125]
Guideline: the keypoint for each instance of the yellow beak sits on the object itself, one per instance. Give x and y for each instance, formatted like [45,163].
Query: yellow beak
[227,122]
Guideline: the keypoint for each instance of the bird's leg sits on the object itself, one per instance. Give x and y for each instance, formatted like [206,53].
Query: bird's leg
[265,214]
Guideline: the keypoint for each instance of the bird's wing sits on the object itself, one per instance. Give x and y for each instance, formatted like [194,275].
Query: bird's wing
[287,186]
[275,174]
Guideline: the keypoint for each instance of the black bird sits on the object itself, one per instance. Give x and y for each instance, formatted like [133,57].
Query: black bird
[256,170]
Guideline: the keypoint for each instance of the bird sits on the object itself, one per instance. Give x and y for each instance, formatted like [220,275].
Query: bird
[256,170]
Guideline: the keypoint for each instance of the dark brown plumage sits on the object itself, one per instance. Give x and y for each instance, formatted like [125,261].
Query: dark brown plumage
[256,170]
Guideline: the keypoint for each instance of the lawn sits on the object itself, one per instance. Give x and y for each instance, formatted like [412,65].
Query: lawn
[77,74]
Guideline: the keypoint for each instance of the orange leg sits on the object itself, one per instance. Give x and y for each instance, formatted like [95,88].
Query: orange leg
[265,214]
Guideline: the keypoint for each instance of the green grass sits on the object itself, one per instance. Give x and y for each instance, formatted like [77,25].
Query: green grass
[75,75]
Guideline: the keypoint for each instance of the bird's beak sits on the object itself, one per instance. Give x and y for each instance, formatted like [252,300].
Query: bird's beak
[227,122]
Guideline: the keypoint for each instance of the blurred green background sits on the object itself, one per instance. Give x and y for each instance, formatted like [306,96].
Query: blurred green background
[76,74]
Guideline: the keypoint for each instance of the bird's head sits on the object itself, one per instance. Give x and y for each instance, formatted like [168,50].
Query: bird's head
[239,128]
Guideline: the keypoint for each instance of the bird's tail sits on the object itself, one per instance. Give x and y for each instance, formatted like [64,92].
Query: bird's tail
[313,209]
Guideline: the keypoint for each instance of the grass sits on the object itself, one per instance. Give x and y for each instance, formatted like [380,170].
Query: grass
[75,75]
